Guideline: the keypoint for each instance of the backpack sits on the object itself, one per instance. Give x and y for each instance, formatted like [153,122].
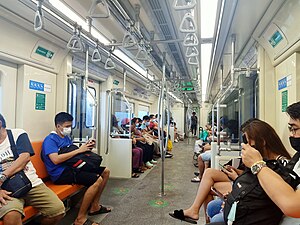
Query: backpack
[254,207]
[86,161]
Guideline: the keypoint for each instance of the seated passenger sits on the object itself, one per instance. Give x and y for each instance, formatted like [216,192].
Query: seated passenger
[62,174]
[203,162]
[211,177]
[264,137]
[40,196]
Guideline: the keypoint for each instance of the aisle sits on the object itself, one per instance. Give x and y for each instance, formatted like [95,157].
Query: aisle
[136,201]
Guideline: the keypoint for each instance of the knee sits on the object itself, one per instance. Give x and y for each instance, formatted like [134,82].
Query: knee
[12,218]
[200,158]
[106,173]
[54,219]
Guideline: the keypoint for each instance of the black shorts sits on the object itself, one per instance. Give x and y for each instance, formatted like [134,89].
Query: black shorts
[72,176]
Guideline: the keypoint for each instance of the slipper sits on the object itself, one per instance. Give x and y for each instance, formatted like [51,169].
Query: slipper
[88,222]
[103,209]
[178,214]
[196,180]
[138,170]
[134,175]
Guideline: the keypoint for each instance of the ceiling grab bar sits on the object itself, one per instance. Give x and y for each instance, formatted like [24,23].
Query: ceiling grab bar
[193,61]
[189,4]
[38,23]
[191,51]
[109,63]
[142,54]
[93,7]
[75,43]
[188,24]
[190,39]
[129,40]
[96,56]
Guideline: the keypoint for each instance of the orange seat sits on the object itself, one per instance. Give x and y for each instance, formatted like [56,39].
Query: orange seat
[62,191]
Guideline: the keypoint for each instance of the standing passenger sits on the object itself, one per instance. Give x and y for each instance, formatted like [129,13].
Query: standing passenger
[62,174]
[280,192]
[40,196]
[194,121]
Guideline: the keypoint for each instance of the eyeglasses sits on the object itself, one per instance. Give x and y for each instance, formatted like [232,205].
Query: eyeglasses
[293,130]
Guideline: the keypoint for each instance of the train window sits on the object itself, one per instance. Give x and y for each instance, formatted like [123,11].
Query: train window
[1,92]
[90,113]
[143,111]
[72,104]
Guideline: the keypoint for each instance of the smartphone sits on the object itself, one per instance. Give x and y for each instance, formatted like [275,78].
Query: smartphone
[244,139]
[217,193]
[223,167]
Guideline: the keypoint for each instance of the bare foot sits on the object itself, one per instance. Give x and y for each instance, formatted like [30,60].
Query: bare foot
[191,213]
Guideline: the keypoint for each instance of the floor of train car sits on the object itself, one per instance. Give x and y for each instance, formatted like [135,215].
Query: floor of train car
[137,201]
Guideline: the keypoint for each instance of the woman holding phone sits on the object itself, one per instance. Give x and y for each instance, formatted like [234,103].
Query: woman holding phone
[258,134]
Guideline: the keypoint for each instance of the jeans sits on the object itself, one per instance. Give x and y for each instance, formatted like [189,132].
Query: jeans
[215,211]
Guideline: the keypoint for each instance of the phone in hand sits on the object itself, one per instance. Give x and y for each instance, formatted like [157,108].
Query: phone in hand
[244,139]
[223,167]
[217,193]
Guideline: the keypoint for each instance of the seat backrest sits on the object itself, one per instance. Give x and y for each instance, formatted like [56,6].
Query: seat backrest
[37,161]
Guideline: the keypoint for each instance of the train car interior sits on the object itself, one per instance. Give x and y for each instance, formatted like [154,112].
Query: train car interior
[192,67]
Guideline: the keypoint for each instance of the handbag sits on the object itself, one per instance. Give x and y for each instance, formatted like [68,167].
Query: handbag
[18,184]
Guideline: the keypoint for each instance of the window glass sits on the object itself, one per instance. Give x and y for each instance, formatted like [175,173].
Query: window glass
[1,92]
[143,111]
[72,103]
[121,114]
[90,113]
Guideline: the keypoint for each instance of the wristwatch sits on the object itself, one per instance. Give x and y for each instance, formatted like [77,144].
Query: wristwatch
[3,177]
[256,167]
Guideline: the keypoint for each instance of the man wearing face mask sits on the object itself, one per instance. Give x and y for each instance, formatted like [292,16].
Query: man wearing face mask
[281,193]
[62,174]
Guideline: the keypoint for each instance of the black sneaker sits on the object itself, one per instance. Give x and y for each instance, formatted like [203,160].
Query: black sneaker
[197,174]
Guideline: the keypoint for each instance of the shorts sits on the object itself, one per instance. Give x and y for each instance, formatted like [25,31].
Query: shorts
[206,156]
[71,176]
[40,197]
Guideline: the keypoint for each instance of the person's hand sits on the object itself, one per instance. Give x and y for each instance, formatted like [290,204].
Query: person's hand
[230,172]
[250,155]
[134,141]
[85,147]
[4,197]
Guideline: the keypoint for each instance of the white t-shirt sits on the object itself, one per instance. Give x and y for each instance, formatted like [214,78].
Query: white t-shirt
[289,220]
[23,145]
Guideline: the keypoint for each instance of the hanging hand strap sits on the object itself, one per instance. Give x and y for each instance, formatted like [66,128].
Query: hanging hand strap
[12,144]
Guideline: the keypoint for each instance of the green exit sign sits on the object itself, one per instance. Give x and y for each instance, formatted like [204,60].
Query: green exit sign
[187,89]
[44,52]
[116,82]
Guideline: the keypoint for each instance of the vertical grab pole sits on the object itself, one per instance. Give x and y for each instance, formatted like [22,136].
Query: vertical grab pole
[162,122]
[213,123]
[108,92]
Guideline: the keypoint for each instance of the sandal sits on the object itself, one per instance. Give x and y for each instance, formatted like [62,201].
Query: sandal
[135,175]
[102,210]
[178,214]
[138,170]
[196,180]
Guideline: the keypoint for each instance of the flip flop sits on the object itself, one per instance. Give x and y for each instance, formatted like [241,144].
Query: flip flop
[134,175]
[102,210]
[178,214]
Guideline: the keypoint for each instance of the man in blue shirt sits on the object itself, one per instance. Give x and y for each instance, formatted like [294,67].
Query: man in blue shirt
[40,196]
[62,174]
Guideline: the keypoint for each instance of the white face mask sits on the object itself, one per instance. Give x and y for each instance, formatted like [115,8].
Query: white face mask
[66,131]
